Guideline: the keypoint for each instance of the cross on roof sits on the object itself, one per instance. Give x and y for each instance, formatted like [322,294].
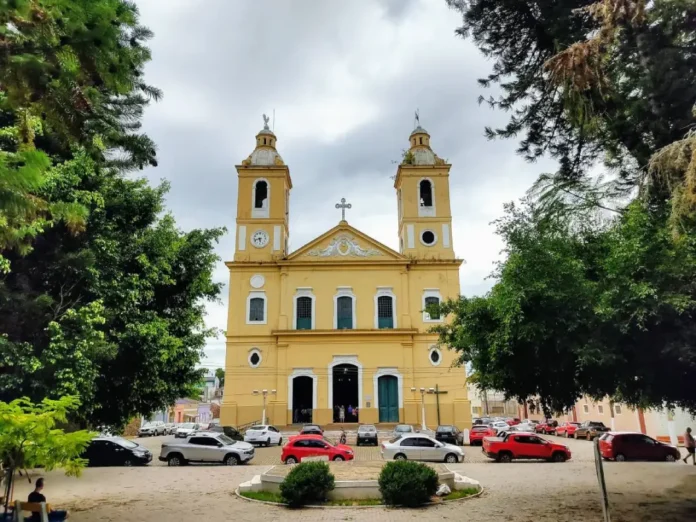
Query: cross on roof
[343,206]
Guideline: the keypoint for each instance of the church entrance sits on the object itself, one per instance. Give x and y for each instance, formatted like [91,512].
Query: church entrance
[302,393]
[388,390]
[345,393]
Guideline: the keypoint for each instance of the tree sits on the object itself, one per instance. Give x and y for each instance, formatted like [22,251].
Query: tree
[220,374]
[29,438]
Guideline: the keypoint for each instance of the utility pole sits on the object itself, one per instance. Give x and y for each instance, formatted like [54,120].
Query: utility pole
[264,393]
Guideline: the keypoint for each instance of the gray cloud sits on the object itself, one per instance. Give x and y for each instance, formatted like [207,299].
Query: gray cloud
[344,79]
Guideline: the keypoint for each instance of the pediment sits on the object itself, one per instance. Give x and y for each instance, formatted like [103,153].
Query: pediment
[345,243]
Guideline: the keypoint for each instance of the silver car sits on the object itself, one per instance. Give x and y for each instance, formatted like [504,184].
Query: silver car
[420,447]
[207,447]
[402,429]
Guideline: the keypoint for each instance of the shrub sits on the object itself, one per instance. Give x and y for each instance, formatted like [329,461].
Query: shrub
[406,483]
[306,483]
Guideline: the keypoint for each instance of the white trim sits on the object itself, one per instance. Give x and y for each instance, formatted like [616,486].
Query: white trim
[253,294]
[439,352]
[388,292]
[257,352]
[302,372]
[426,211]
[241,237]
[276,237]
[420,237]
[431,292]
[382,372]
[346,359]
[303,292]
[260,212]
[445,235]
[410,232]
[344,291]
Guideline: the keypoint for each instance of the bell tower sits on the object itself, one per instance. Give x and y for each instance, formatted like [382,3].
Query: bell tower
[422,190]
[263,202]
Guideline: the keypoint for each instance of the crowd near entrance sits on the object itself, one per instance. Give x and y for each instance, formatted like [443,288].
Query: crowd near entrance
[345,393]
[302,399]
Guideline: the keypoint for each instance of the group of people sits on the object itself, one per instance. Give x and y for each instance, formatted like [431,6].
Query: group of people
[340,414]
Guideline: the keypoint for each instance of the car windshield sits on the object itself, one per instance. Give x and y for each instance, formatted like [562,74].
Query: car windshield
[597,424]
[226,440]
[444,429]
[188,425]
[258,428]
[479,428]
[367,428]
[329,442]
[124,442]
[403,429]
[394,439]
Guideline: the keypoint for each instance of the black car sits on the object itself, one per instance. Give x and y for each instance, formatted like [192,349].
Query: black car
[115,451]
[311,429]
[450,435]
[367,434]
[232,433]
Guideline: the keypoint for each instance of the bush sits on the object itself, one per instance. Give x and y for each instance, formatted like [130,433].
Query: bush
[306,483]
[406,483]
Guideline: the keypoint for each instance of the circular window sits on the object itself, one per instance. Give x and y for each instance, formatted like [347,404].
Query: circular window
[428,238]
[254,358]
[435,356]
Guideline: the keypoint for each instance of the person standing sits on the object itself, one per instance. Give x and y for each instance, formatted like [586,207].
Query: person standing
[37,497]
[690,444]
[341,414]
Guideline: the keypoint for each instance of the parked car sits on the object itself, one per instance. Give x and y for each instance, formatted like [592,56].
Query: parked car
[311,429]
[115,451]
[169,428]
[524,426]
[186,430]
[402,429]
[499,426]
[620,446]
[231,432]
[524,446]
[477,433]
[263,434]
[590,429]
[567,429]
[303,446]
[450,435]
[513,421]
[416,446]
[207,447]
[152,429]
[367,434]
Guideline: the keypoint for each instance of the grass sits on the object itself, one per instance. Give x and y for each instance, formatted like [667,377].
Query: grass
[267,496]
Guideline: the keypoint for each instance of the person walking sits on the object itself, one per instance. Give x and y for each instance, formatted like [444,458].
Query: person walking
[690,444]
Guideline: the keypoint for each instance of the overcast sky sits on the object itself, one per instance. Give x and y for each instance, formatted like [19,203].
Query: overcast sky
[344,79]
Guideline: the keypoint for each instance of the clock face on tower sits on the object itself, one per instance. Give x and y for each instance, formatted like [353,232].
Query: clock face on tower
[259,239]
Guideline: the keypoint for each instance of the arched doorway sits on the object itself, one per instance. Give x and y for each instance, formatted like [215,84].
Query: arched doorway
[388,396]
[345,393]
[302,399]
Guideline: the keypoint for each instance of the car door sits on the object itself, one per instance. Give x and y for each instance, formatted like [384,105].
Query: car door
[540,448]
[429,449]
[274,434]
[648,449]
[94,453]
[409,447]
[196,448]
[300,449]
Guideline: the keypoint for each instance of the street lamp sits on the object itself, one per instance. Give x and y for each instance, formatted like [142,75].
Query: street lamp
[422,392]
[264,393]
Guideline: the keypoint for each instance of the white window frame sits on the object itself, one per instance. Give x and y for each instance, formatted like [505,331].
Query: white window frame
[420,237]
[586,408]
[344,291]
[438,351]
[431,292]
[260,212]
[426,211]
[257,352]
[303,292]
[252,295]
[385,291]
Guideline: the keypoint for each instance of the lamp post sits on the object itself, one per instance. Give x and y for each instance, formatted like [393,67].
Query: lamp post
[264,393]
[423,391]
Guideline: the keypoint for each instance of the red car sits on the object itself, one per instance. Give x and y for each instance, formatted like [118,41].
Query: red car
[513,422]
[304,446]
[549,428]
[524,446]
[477,433]
[567,429]
[635,446]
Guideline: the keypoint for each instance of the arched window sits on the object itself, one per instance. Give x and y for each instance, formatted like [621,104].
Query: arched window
[344,312]
[426,193]
[261,194]
[421,141]
[304,313]
[431,297]
[256,309]
[385,312]
[264,141]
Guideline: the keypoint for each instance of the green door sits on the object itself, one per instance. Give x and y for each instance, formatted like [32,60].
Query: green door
[388,389]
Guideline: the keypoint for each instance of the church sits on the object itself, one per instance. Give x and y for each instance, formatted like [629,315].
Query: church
[337,331]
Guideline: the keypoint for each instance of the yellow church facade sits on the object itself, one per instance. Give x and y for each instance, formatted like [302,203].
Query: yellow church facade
[337,330]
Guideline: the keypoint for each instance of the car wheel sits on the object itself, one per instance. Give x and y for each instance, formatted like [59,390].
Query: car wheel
[670,458]
[338,458]
[268,442]
[451,458]
[175,460]
[231,460]
[505,457]
[558,457]
[291,460]
[128,462]
[399,456]
[620,457]
[280,441]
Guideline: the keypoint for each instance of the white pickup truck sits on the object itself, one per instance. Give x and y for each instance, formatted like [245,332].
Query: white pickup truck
[207,447]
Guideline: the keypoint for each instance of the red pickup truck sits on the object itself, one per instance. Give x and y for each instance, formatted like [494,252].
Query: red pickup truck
[524,446]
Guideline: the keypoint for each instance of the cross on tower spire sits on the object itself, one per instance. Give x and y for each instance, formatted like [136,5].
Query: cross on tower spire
[343,206]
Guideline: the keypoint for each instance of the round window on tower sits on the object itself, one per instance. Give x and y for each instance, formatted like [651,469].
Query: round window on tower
[435,356]
[254,358]
[428,238]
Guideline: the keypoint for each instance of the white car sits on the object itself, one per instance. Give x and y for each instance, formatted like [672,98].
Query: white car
[263,434]
[152,429]
[186,430]
[417,446]
[500,426]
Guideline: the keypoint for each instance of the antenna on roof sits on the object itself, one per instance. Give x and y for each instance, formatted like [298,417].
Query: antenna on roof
[416,122]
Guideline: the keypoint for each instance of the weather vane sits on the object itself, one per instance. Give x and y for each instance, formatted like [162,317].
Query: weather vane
[343,206]
[265,122]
